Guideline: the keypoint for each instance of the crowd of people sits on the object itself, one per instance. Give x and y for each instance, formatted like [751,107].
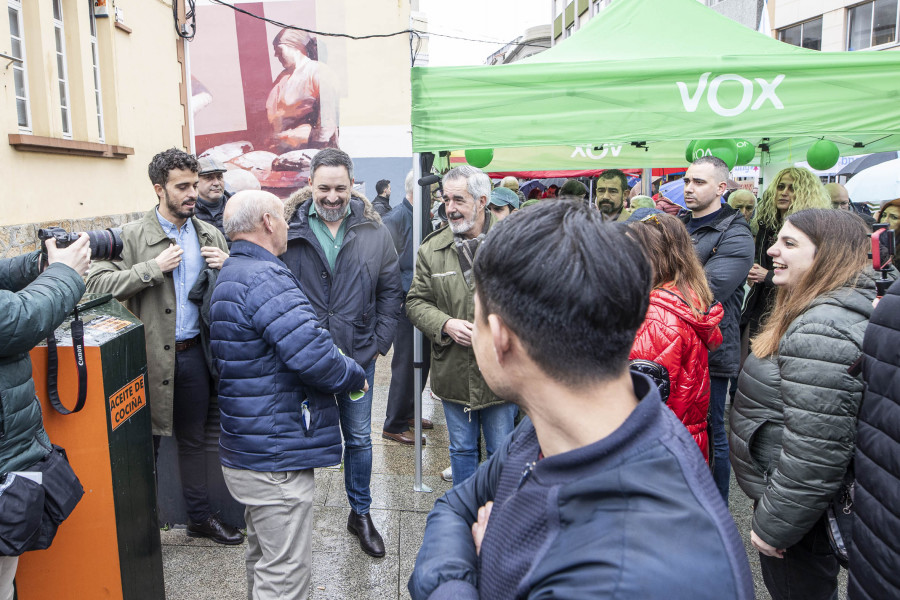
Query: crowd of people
[597,372]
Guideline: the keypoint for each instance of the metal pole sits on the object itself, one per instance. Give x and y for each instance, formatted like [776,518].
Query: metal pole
[647,182]
[418,384]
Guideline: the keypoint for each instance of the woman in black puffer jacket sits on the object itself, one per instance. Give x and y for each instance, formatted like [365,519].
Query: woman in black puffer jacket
[793,423]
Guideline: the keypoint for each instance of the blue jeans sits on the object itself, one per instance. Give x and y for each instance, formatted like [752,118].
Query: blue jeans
[718,390]
[356,426]
[465,429]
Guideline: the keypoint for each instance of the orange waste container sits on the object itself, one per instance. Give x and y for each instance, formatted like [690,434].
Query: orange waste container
[109,547]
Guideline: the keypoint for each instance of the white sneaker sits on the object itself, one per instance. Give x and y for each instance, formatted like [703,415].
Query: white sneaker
[447,475]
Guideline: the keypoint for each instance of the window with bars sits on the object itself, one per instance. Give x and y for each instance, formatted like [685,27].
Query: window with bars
[872,24]
[95,65]
[59,35]
[806,35]
[20,75]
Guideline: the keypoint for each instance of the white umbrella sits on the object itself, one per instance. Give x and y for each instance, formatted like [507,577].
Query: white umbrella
[876,184]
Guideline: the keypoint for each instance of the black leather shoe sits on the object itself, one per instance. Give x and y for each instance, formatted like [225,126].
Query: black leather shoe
[369,539]
[215,530]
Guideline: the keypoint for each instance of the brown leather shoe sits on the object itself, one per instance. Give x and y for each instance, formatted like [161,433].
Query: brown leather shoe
[426,424]
[404,438]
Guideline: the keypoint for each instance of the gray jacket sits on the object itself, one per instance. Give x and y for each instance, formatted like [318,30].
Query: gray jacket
[793,423]
[725,248]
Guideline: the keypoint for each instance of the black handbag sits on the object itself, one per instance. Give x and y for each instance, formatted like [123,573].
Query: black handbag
[655,371]
[31,512]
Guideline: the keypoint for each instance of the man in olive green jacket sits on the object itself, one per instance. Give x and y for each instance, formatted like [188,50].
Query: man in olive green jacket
[162,256]
[440,304]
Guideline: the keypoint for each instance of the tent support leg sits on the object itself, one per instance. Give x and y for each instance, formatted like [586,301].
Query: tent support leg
[418,382]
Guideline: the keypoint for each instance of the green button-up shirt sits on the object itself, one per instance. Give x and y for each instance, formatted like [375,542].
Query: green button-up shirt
[331,244]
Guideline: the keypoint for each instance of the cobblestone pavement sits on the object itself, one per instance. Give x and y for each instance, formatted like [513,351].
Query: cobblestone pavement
[201,570]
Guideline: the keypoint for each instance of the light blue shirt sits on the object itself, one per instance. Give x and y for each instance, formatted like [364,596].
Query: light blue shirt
[187,314]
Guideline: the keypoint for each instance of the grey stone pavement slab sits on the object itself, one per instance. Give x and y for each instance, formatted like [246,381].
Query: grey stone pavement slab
[198,569]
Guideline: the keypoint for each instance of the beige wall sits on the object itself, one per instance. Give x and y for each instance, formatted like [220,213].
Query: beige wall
[142,110]
[379,95]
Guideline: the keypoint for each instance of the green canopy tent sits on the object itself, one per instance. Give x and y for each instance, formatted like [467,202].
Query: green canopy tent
[635,85]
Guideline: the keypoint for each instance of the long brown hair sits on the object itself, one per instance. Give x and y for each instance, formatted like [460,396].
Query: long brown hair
[841,240]
[671,253]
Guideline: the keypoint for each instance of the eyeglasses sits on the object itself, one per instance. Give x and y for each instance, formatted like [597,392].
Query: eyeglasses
[652,219]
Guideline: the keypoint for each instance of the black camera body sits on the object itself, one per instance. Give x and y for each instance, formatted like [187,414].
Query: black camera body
[106,244]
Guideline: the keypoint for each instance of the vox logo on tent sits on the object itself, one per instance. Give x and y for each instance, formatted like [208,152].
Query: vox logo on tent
[757,93]
[591,151]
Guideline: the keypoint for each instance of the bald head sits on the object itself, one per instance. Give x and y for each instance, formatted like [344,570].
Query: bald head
[258,217]
[840,199]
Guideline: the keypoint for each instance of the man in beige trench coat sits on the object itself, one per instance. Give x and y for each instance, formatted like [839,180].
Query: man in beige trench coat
[163,255]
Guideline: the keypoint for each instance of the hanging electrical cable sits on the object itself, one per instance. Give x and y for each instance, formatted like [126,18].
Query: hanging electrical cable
[188,29]
[358,37]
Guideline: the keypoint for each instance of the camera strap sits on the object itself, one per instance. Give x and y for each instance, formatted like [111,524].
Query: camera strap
[53,368]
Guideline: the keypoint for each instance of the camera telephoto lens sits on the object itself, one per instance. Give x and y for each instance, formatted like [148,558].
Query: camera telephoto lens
[106,244]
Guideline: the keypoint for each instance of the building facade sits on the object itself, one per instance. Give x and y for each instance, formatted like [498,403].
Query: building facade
[534,40]
[87,97]
[567,16]
[837,25]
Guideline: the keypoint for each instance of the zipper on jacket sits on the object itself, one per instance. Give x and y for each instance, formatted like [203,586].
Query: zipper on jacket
[304,411]
[526,473]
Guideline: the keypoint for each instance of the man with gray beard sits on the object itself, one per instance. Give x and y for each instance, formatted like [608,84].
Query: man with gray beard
[347,266]
[440,304]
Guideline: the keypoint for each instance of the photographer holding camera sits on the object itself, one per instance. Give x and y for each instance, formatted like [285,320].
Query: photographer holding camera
[164,255]
[32,305]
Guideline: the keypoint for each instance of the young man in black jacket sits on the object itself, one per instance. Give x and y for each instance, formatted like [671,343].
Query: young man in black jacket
[724,245]
[382,202]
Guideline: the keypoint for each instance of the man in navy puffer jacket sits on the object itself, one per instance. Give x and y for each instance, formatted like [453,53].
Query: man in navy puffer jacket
[279,374]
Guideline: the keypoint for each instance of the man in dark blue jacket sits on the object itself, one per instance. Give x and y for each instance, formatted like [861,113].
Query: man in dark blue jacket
[400,408]
[279,374]
[600,492]
[724,246]
[347,266]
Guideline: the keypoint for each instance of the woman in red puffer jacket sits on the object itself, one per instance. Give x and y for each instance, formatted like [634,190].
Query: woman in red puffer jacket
[682,322]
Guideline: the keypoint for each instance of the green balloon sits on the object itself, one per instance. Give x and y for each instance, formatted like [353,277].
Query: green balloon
[746,152]
[689,151]
[823,155]
[723,149]
[479,158]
